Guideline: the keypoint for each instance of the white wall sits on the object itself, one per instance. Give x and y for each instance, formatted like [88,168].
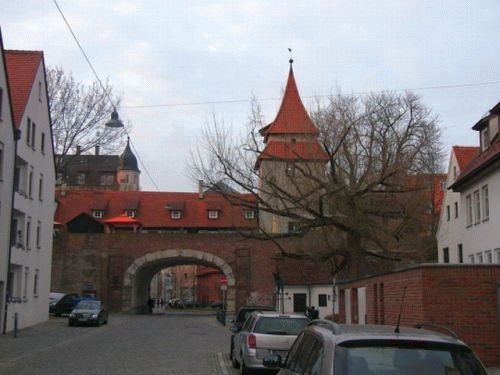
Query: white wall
[313,293]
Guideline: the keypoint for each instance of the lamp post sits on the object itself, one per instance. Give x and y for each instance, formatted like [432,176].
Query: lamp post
[115,122]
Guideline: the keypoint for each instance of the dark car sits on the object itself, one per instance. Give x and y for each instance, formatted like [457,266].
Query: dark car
[64,304]
[326,348]
[89,312]
[241,316]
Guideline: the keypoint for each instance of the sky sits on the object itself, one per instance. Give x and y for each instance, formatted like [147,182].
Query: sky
[176,64]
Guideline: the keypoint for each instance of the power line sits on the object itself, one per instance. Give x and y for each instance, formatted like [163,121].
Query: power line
[100,82]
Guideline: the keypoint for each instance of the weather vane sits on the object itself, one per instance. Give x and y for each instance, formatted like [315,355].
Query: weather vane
[291,59]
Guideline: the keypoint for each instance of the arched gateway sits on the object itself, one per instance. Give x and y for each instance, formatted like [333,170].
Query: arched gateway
[138,275]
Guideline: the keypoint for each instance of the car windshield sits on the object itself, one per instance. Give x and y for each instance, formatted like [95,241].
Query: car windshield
[280,325]
[405,358]
[88,305]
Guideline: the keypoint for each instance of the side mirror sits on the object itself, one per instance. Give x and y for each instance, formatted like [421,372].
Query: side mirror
[235,329]
[273,361]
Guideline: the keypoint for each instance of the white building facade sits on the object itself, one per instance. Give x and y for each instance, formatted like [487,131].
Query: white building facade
[31,228]
[472,237]
[7,152]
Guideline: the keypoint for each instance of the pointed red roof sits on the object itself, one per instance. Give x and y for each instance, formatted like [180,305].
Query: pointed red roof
[292,117]
[298,150]
[22,67]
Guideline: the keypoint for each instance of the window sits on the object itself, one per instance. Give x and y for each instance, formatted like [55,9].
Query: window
[454,172]
[39,91]
[448,213]
[477,207]
[479,257]
[38,235]
[293,227]
[488,256]
[212,214]
[97,214]
[456,210]
[15,282]
[35,284]
[485,202]
[1,101]
[460,253]
[33,132]
[26,280]
[80,179]
[322,300]
[175,214]
[59,178]
[471,259]
[498,255]
[28,232]
[40,188]
[485,137]
[130,213]
[107,179]
[30,184]
[250,214]
[42,143]
[28,131]
[468,205]
[446,255]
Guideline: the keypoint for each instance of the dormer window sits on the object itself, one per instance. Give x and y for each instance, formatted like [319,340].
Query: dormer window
[97,214]
[175,214]
[485,138]
[213,214]
[250,214]
[130,213]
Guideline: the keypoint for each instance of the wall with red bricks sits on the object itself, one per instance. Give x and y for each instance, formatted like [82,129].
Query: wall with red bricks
[464,298]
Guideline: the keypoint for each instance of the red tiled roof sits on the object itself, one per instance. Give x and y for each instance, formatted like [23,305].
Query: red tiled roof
[292,117]
[478,164]
[153,208]
[22,67]
[464,154]
[299,150]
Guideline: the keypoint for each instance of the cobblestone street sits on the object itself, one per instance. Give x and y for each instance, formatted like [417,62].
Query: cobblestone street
[191,344]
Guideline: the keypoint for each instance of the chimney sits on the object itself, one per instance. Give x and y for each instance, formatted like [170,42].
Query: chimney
[200,189]
[78,150]
[96,150]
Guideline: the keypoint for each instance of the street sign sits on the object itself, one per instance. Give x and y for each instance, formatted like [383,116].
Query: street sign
[223,280]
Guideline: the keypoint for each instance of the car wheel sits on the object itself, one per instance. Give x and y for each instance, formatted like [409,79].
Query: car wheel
[234,362]
[245,370]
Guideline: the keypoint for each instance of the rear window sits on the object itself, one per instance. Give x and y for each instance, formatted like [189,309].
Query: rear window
[280,325]
[390,358]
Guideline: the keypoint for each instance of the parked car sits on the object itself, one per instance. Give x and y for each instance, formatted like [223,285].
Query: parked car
[240,318]
[64,305]
[263,333]
[326,348]
[89,312]
[54,297]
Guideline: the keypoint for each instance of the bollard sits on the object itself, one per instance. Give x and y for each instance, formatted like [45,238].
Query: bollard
[15,324]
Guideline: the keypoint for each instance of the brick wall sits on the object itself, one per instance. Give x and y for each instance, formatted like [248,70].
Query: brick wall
[464,298]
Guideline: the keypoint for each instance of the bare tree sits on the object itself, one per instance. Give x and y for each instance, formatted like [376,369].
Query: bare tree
[369,199]
[79,114]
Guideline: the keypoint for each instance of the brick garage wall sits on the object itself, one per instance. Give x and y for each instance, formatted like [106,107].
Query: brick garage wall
[461,297]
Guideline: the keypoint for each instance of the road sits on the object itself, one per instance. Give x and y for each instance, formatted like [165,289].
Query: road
[172,343]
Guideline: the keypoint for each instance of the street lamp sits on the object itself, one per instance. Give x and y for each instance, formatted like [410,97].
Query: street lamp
[115,122]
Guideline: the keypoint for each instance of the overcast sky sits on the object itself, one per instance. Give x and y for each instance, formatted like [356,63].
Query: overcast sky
[175,63]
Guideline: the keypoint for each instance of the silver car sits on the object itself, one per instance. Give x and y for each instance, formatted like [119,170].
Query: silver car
[263,333]
[326,348]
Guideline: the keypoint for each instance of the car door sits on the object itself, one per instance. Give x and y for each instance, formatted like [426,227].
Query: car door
[305,357]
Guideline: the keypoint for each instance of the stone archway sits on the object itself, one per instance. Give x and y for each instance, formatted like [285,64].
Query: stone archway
[138,275]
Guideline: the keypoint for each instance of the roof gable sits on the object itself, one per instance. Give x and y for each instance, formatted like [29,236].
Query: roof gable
[22,67]
[464,154]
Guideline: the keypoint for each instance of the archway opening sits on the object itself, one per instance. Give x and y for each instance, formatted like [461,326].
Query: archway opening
[140,277]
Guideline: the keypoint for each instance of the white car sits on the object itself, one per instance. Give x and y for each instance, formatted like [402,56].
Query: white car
[263,333]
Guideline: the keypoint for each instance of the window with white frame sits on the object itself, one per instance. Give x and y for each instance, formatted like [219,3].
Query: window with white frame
[477,207]
[15,282]
[97,214]
[249,214]
[448,215]
[1,101]
[213,214]
[468,206]
[42,143]
[456,210]
[479,258]
[28,131]
[460,253]
[33,133]
[485,202]
[471,259]
[488,256]
[497,251]
[446,255]
[30,183]
[26,281]
[130,213]
[175,214]
[80,179]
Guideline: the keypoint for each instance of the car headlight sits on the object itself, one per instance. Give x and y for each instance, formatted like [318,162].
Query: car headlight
[72,314]
[94,316]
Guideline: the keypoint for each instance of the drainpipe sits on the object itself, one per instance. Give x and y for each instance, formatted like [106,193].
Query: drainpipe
[17,136]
